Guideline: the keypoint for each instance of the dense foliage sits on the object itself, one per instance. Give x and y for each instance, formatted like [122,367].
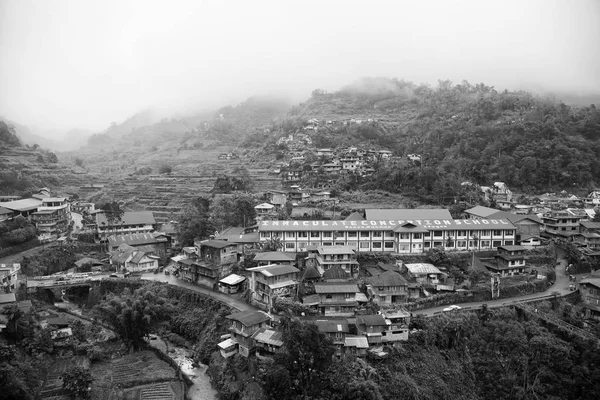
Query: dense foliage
[491,355]
[16,231]
[49,261]
[462,132]
[203,216]
[77,382]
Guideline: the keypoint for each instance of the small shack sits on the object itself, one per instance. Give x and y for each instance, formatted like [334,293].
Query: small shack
[231,283]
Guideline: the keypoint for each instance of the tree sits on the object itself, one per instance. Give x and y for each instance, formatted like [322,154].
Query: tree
[78,329]
[308,355]
[77,382]
[133,315]
[194,222]
[165,169]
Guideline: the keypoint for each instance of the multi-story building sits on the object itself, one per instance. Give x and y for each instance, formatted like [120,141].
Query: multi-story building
[337,299]
[336,330]
[401,236]
[561,224]
[130,222]
[509,261]
[344,256]
[590,294]
[388,287]
[243,326]
[9,275]
[52,216]
[269,281]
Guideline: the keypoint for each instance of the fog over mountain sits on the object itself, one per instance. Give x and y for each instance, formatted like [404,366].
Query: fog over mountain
[82,64]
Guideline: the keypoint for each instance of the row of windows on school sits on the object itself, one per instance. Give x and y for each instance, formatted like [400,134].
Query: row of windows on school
[390,241]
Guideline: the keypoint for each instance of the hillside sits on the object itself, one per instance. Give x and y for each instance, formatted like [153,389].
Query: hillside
[24,168]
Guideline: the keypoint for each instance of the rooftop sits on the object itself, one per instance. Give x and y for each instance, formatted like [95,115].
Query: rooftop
[128,218]
[133,239]
[371,320]
[328,287]
[387,278]
[276,270]
[407,214]
[423,268]
[216,244]
[22,205]
[481,211]
[335,250]
[249,318]
[275,256]
[332,325]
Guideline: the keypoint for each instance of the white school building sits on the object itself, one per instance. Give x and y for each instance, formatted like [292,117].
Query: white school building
[392,235]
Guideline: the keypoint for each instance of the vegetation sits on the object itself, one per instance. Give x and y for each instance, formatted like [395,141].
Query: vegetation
[16,231]
[77,382]
[203,216]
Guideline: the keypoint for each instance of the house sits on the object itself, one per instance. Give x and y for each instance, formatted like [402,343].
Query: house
[134,259]
[277,198]
[589,226]
[292,175]
[219,252]
[372,327]
[592,199]
[264,210]
[343,256]
[82,207]
[356,345]
[271,281]
[267,341]
[590,294]
[528,226]
[9,276]
[275,257]
[243,326]
[590,240]
[425,273]
[336,330]
[384,154]
[561,224]
[129,223]
[388,288]
[335,274]
[231,283]
[337,299]
[170,229]
[397,326]
[509,261]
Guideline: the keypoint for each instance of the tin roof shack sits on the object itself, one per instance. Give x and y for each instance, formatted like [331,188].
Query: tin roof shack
[231,283]
[270,281]
[509,261]
[267,342]
[243,326]
[337,299]
[388,288]
[426,273]
[356,345]
[590,294]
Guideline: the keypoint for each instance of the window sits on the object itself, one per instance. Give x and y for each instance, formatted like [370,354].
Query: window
[497,243]
[328,296]
[450,244]
[427,234]
[485,243]
[417,236]
[364,235]
[485,233]
[389,245]
[427,245]
[327,235]
[403,248]
[302,245]
[437,244]
[315,234]
[404,236]
[352,234]
[437,234]
[290,245]
[461,243]
[340,243]
[376,245]
[263,235]
[462,233]
[302,234]
[327,243]
[508,233]
[376,235]
[389,234]
[497,233]
[348,295]
[364,245]
[508,242]
[290,235]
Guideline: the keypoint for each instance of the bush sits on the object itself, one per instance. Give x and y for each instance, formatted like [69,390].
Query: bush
[165,169]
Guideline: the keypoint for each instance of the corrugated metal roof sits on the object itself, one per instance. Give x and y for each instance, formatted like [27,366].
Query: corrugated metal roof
[276,270]
[249,318]
[324,287]
[275,256]
[422,268]
[232,279]
[359,342]
[22,205]
[129,218]
[407,214]
[268,336]
[341,250]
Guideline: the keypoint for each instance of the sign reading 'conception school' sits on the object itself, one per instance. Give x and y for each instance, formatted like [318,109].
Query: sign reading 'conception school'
[445,224]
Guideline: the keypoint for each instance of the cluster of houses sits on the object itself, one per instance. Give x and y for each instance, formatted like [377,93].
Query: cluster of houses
[51,215]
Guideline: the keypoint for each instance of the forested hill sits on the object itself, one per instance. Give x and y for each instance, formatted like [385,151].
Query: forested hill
[464,132]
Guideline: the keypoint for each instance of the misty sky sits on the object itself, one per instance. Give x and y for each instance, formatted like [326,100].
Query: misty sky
[84,64]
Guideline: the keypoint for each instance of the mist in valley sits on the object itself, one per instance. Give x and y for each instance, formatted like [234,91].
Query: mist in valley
[72,68]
